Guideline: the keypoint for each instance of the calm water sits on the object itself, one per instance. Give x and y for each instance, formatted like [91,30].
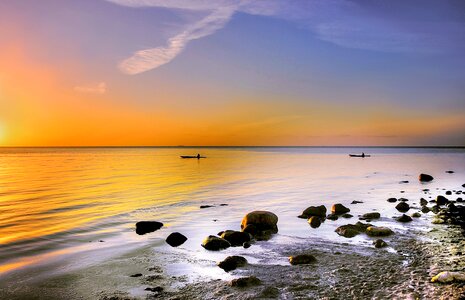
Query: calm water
[60,203]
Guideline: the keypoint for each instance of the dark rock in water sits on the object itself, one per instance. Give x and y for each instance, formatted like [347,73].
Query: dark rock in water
[156,289]
[379,243]
[378,231]
[452,208]
[425,209]
[356,202]
[423,202]
[403,181]
[402,207]
[144,227]
[402,192]
[347,216]
[263,220]
[448,193]
[463,185]
[223,204]
[250,229]
[236,238]
[206,206]
[435,209]
[302,259]
[347,231]
[245,282]
[450,172]
[215,243]
[404,218]
[232,262]
[416,215]
[370,216]
[176,239]
[392,200]
[425,178]
[403,199]
[339,209]
[332,217]
[246,245]
[314,222]
[459,199]
[441,200]
[136,275]
[318,211]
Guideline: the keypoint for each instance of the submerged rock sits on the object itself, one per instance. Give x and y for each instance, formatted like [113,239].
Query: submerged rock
[236,238]
[379,243]
[302,259]
[262,220]
[425,178]
[332,217]
[392,200]
[246,245]
[416,215]
[402,207]
[339,209]
[404,218]
[347,216]
[423,202]
[445,277]
[441,200]
[245,281]
[206,206]
[356,202]
[450,172]
[215,243]
[176,239]
[144,227]
[378,231]
[314,222]
[370,216]
[351,230]
[232,262]
[425,209]
[318,211]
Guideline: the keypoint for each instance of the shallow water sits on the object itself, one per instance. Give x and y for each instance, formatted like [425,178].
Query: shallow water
[58,204]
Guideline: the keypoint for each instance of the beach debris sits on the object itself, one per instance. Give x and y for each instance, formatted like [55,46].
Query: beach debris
[379,243]
[404,219]
[447,276]
[339,209]
[265,224]
[403,207]
[370,216]
[302,259]
[392,200]
[235,238]
[232,262]
[425,177]
[441,200]
[378,231]
[215,243]
[144,227]
[245,282]
[314,221]
[176,239]
[318,211]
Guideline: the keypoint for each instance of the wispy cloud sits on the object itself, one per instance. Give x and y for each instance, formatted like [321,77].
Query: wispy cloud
[377,26]
[99,88]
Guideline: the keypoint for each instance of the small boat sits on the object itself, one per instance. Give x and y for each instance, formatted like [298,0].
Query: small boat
[192,156]
[359,155]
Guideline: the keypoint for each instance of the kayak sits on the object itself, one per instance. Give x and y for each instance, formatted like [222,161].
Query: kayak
[192,156]
[358,155]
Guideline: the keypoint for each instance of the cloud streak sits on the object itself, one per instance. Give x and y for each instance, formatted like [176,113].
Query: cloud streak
[100,88]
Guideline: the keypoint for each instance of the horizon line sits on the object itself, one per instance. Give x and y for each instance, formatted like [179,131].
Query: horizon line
[238,146]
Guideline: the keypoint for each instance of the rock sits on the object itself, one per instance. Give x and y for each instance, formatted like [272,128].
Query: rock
[144,227]
[232,262]
[245,281]
[448,193]
[425,209]
[301,259]
[263,220]
[402,207]
[314,222]
[348,231]
[356,202]
[176,239]
[379,243]
[425,178]
[441,200]
[318,211]
[246,245]
[416,215]
[459,199]
[378,231]
[251,229]
[215,243]
[450,172]
[438,220]
[332,217]
[236,238]
[392,200]
[206,206]
[339,209]
[156,289]
[404,218]
[224,204]
[445,277]
[423,202]
[370,216]
[347,216]
[136,275]
[403,181]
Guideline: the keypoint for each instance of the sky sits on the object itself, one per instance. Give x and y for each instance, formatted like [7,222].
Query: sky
[232,72]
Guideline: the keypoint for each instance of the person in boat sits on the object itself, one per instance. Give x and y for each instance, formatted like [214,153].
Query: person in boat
[363,154]
[198,155]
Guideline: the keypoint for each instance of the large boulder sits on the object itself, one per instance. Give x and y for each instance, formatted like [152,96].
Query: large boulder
[144,227]
[262,220]
[318,211]
[378,231]
[347,231]
[236,238]
[403,207]
[441,200]
[215,243]
[176,239]
[425,178]
[314,222]
[339,209]
[302,259]
[232,262]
